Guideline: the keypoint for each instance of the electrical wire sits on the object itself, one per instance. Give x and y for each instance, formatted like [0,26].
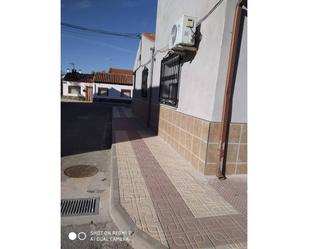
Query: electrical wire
[101,31]
[209,13]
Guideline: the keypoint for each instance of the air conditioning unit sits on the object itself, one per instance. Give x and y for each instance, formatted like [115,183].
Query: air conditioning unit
[182,34]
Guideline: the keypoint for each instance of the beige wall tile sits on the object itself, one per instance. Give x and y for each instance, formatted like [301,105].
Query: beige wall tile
[234,133]
[188,124]
[203,150]
[204,144]
[212,153]
[177,134]
[244,134]
[196,146]
[241,168]
[191,125]
[196,127]
[183,121]
[214,132]
[232,152]
[189,141]
[210,169]
[168,129]
[164,113]
[179,119]
[173,116]
[168,115]
[199,127]
[242,157]
[230,168]
[205,130]
[182,137]
[176,118]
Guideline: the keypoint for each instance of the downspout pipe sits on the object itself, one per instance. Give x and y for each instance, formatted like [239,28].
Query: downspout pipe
[150,86]
[227,102]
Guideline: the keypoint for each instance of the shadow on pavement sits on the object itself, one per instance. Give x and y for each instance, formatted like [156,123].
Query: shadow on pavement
[85,127]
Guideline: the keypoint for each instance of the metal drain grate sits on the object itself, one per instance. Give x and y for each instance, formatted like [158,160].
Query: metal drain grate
[85,206]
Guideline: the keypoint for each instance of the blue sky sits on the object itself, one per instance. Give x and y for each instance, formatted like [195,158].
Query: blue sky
[95,52]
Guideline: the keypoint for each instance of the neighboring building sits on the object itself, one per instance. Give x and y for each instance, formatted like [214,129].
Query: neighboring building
[61,84]
[78,85]
[142,75]
[115,85]
[188,91]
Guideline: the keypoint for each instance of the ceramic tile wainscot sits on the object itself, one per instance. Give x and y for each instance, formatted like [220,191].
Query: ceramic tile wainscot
[197,141]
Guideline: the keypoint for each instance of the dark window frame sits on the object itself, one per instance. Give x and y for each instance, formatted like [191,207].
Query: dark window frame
[125,90]
[70,89]
[103,88]
[170,79]
[144,82]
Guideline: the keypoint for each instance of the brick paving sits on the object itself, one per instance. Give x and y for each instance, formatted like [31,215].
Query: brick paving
[171,201]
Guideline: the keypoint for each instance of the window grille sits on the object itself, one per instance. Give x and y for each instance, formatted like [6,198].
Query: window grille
[169,80]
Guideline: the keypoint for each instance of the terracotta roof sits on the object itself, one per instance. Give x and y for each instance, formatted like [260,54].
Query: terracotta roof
[121,79]
[79,77]
[150,36]
[120,71]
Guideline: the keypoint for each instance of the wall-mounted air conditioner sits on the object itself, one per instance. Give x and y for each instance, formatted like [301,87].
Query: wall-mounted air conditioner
[182,33]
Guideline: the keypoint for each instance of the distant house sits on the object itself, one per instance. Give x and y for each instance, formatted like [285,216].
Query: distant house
[78,85]
[115,85]
[142,75]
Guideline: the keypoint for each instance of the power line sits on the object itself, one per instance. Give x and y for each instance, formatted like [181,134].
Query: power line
[210,12]
[101,43]
[101,31]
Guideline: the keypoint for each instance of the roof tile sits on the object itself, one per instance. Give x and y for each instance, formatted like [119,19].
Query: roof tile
[121,79]
[79,77]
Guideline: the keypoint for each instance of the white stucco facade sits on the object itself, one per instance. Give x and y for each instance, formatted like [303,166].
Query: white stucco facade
[114,91]
[142,60]
[82,85]
[202,80]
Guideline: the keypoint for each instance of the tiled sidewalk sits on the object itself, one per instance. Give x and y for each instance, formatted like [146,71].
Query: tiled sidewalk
[171,201]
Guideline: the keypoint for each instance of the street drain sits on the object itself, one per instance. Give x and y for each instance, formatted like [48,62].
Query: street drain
[79,171]
[85,206]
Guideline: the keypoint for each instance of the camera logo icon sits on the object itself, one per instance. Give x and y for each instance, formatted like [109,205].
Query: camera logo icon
[80,236]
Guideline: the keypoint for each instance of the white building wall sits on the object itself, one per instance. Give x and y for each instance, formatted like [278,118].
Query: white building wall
[239,107]
[202,81]
[139,65]
[82,85]
[114,90]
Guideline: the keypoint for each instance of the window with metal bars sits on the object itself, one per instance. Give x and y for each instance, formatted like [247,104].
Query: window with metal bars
[144,82]
[169,80]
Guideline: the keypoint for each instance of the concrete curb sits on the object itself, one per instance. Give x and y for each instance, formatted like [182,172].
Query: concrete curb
[138,239]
